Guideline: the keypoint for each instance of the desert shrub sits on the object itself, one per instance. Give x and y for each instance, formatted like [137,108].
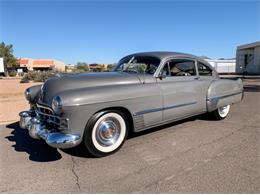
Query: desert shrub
[43,76]
[110,67]
[25,79]
[37,76]
[12,73]
[30,76]
[81,67]
[75,70]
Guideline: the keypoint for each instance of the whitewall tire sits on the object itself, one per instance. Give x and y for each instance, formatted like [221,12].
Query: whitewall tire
[221,112]
[106,132]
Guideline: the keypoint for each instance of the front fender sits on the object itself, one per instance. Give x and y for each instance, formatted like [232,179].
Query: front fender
[80,104]
[103,94]
[34,91]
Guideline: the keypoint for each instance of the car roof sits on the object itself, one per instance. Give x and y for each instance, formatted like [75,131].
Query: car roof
[167,54]
[163,54]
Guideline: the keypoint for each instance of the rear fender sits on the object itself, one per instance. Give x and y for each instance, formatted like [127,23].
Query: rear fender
[223,92]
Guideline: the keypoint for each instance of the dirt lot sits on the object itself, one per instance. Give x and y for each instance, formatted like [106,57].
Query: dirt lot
[12,99]
[196,155]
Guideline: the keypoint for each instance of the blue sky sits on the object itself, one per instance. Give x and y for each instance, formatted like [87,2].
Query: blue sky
[105,31]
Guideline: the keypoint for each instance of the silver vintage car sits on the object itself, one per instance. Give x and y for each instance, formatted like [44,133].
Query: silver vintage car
[98,110]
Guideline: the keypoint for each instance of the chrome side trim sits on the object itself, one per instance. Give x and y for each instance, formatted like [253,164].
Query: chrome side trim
[179,105]
[167,122]
[163,108]
[148,111]
[223,96]
[138,121]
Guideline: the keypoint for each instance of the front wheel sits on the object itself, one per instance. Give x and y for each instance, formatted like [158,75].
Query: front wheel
[106,132]
[221,112]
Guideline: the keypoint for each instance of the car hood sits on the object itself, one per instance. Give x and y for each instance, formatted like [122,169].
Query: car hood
[54,86]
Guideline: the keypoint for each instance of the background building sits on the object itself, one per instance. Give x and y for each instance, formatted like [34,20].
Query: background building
[248,58]
[97,67]
[223,65]
[41,64]
[69,67]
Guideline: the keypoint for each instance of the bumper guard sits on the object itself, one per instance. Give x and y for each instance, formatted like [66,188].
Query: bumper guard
[37,130]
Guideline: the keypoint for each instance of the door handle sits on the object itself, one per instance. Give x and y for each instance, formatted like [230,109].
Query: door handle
[196,78]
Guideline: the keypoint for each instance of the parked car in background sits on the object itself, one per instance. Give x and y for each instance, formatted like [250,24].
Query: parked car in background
[145,90]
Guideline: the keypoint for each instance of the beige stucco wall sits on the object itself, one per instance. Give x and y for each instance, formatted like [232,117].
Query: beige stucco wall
[59,65]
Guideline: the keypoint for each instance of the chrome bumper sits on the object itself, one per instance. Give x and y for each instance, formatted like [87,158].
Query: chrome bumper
[37,130]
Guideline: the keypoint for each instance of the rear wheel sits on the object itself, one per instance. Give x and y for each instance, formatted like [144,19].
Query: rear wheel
[106,132]
[221,112]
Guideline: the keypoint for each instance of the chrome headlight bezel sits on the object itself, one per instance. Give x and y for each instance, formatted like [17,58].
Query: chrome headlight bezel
[57,104]
[27,94]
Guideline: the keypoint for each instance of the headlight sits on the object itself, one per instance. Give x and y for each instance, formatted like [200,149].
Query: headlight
[27,94]
[57,104]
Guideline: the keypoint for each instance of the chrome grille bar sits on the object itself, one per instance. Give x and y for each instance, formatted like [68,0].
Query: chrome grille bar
[45,107]
[47,114]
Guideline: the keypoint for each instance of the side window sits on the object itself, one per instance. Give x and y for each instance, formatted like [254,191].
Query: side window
[181,67]
[204,70]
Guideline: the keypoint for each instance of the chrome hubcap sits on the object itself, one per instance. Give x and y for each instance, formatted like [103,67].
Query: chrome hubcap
[223,111]
[108,131]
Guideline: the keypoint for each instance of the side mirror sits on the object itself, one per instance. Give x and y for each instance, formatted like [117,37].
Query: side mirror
[162,75]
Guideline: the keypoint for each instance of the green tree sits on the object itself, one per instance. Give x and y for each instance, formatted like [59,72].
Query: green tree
[6,51]
[102,67]
[110,67]
[82,67]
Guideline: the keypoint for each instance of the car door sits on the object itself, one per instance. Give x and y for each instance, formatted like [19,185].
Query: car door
[205,76]
[182,92]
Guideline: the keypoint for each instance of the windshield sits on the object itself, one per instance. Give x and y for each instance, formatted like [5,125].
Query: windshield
[138,64]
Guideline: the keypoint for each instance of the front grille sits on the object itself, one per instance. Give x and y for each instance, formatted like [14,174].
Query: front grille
[47,115]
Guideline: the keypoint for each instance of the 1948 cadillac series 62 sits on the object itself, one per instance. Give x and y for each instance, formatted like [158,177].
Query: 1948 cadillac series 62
[97,110]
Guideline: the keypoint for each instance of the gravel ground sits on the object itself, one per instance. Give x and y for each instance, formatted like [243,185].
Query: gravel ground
[191,156]
[12,99]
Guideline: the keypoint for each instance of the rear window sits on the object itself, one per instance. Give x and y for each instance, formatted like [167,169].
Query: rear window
[204,70]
